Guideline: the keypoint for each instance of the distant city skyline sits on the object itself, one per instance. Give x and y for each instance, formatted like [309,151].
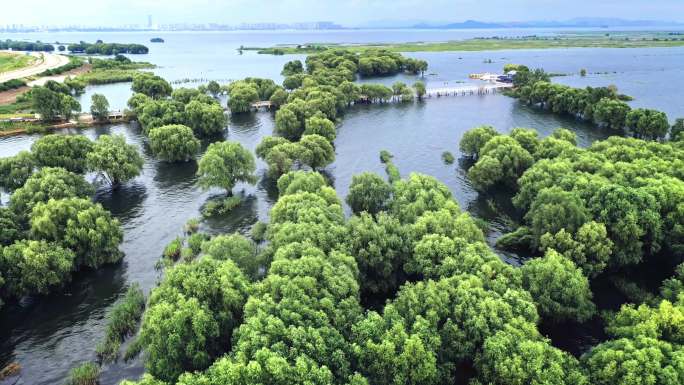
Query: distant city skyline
[353,13]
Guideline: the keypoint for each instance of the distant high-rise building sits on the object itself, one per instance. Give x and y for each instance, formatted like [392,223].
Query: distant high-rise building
[149,21]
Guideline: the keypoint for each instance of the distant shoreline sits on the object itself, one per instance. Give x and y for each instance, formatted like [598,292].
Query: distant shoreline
[589,40]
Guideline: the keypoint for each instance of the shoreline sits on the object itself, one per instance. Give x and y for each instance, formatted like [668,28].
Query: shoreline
[487,44]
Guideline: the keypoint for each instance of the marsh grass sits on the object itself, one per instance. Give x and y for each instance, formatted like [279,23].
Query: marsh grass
[123,321]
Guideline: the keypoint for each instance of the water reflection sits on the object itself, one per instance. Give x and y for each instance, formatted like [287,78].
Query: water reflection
[125,202]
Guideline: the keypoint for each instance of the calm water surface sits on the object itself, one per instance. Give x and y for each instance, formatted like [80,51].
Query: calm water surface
[49,335]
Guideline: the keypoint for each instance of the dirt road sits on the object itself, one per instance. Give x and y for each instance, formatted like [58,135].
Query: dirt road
[45,61]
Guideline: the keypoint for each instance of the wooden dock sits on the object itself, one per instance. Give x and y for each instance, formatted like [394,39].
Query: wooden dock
[262,104]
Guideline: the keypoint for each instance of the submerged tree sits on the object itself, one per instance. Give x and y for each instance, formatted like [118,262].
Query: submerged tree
[173,143]
[225,164]
[66,151]
[115,160]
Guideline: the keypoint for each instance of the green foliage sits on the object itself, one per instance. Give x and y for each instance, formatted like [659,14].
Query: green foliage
[10,227]
[418,194]
[102,48]
[322,126]
[590,248]
[151,85]
[173,143]
[66,151]
[214,88]
[80,225]
[49,183]
[380,246]
[191,316]
[241,95]
[236,248]
[558,287]
[420,89]
[555,209]
[224,164]
[258,232]
[566,135]
[292,68]
[677,129]
[172,251]
[473,140]
[114,159]
[448,157]
[99,108]
[501,160]
[34,267]
[627,361]
[204,118]
[14,171]
[647,124]
[122,322]
[87,373]
[611,113]
[368,192]
[319,152]
[53,104]
[388,354]
[518,355]
[279,97]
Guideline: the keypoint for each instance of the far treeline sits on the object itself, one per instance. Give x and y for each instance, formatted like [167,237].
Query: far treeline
[602,106]
[97,48]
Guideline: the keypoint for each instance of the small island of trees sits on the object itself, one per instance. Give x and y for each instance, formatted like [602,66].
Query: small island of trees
[101,48]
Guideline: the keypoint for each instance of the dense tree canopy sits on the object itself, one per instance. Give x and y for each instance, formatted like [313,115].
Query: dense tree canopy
[49,183]
[116,160]
[50,104]
[80,225]
[558,287]
[66,151]
[34,267]
[191,316]
[224,164]
[151,85]
[205,119]
[407,290]
[173,143]
[15,170]
[368,192]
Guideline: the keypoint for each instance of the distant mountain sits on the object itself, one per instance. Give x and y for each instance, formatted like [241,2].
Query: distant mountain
[468,24]
[585,22]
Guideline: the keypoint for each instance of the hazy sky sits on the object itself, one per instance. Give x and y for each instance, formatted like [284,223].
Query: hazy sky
[350,12]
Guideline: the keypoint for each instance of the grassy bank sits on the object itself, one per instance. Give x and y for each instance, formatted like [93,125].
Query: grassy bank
[619,40]
[112,71]
[12,61]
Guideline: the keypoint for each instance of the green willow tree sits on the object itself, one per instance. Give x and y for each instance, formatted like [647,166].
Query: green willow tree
[114,159]
[174,143]
[78,224]
[66,151]
[224,164]
[99,107]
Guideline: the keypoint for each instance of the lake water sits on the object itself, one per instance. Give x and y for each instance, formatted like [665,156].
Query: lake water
[49,335]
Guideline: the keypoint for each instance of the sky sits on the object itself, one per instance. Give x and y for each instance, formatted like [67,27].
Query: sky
[346,12]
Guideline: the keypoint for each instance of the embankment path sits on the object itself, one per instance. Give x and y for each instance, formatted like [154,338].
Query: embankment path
[45,61]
